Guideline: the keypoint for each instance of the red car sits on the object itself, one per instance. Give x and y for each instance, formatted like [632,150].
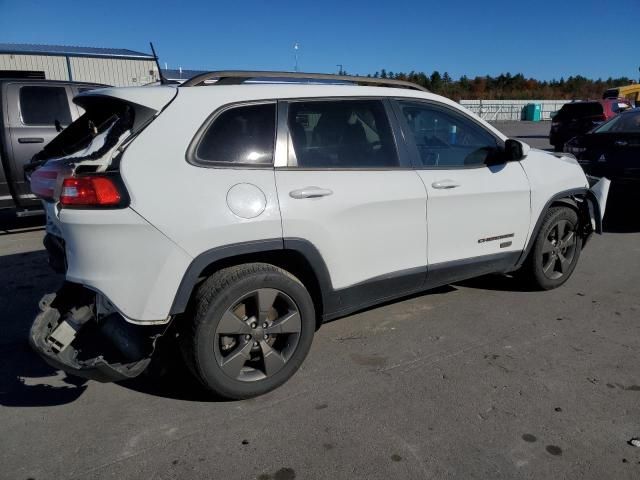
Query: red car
[613,106]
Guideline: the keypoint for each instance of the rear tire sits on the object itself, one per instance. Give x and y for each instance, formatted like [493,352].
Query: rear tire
[556,250]
[251,328]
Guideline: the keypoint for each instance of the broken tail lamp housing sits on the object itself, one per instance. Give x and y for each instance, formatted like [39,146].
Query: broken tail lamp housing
[93,191]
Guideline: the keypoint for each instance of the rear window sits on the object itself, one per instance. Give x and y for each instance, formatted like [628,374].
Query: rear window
[581,109]
[618,107]
[242,135]
[101,126]
[41,105]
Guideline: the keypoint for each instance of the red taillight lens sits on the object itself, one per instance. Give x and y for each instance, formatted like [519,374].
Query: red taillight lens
[90,192]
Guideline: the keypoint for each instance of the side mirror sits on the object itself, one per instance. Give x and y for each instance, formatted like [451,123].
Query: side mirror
[515,150]
[58,125]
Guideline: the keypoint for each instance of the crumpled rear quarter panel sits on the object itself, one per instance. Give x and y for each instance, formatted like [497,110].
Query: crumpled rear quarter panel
[118,253]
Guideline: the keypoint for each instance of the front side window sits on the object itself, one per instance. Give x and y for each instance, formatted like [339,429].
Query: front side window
[445,138]
[341,134]
[44,105]
[240,135]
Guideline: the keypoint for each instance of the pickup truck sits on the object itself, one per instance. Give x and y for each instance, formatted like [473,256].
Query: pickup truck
[33,111]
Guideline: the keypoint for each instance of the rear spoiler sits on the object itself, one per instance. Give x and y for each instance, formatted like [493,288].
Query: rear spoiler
[155,98]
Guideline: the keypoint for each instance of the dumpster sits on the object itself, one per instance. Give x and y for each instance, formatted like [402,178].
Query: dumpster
[533,112]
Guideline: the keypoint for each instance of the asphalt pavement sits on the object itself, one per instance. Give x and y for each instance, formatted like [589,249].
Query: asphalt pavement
[478,380]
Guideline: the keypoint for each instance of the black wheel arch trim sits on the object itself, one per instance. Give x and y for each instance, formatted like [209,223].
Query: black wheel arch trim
[343,301]
[207,258]
[200,263]
[565,197]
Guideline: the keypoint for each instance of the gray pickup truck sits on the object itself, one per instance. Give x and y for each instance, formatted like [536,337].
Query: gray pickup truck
[33,112]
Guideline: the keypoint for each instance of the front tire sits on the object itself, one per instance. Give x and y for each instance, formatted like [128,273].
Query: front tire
[556,250]
[251,328]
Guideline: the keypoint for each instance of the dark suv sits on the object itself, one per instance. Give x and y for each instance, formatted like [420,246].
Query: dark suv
[577,118]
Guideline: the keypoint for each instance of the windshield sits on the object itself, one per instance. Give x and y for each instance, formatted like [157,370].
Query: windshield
[623,123]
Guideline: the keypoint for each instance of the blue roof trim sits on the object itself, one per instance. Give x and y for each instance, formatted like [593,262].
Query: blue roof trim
[71,51]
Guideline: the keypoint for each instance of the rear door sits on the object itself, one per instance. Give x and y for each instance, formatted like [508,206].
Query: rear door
[347,189]
[478,213]
[33,110]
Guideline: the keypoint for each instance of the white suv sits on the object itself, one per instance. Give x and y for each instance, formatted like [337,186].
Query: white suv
[239,214]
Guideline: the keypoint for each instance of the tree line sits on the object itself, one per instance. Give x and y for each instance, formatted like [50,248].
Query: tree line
[507,86]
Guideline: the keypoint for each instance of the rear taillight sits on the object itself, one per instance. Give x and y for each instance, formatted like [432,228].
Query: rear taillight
[90,191]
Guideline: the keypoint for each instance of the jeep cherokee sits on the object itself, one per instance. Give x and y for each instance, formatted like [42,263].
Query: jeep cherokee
[237,215]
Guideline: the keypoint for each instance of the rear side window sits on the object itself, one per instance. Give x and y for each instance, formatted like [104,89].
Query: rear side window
[44,105]
[242,135]
[341,134]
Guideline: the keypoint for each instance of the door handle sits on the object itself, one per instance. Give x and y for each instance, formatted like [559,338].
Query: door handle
[31,140]
[621,143]
[310,192]
[445,184]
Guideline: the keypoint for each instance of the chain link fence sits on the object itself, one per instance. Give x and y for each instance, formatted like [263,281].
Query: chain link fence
[501,110]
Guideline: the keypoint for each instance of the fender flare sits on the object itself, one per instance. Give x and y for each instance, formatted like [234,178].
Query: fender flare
[565,197]
[200,263]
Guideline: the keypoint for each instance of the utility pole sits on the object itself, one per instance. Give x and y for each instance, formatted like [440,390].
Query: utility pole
[296,47]
[340,71]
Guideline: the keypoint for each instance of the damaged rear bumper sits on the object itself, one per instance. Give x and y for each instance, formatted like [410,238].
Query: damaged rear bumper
[69,336]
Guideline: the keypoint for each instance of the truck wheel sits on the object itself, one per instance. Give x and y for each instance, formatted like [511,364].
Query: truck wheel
[556,249]
[251,328]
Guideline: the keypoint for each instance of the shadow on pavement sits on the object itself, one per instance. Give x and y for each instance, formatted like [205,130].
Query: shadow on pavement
[11,224]
[25,379]
[497,282]
[621,215]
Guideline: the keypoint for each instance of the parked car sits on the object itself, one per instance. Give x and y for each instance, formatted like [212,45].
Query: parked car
[612,150]
[576,118]
[240,217]
[33,112]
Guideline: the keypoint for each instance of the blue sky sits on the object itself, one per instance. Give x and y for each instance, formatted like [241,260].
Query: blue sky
[542,39]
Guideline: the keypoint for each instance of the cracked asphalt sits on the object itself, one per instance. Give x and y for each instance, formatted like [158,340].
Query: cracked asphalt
[480,379]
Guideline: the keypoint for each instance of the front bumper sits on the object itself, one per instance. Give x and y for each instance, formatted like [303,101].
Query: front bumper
[104,349]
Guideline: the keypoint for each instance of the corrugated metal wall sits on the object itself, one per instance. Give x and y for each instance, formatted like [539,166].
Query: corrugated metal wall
[119,72]
[54,68]
[113,71]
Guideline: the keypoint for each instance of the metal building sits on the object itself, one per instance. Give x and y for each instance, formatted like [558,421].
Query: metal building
[110,66]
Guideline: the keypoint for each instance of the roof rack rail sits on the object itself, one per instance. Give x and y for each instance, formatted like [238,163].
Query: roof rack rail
[237,77]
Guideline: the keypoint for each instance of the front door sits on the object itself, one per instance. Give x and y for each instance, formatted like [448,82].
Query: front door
[478,213]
